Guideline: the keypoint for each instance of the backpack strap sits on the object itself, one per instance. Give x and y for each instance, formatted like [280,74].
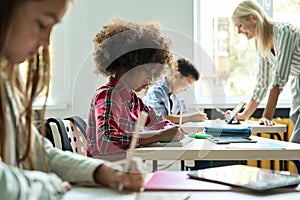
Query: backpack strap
[79,122]
[62,131]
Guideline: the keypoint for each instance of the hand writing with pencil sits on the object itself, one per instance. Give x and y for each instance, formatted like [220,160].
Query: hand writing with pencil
[195,117]
[173,134]
[113,174]
[125,174]
[198,116]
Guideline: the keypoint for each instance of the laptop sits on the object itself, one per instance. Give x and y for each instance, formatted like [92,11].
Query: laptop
[244,176]
[230,119]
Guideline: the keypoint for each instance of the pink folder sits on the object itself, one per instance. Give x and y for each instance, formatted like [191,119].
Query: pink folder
[179,180]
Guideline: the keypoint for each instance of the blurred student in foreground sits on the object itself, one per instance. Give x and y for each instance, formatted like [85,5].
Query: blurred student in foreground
[30,167]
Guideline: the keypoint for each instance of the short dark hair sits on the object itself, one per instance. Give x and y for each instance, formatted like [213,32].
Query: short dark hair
[187,69]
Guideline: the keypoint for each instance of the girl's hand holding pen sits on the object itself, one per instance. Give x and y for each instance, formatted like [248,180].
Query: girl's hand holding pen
[173,134]
[112,174]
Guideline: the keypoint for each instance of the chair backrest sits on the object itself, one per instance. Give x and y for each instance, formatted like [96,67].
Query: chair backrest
[76,131]
[68,134]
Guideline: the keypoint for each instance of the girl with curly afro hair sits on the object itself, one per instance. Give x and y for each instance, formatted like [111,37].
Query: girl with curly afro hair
[132,56]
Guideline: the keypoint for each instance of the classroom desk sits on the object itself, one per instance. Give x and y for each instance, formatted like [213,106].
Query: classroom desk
[200,149]
[273,131]
[83,193]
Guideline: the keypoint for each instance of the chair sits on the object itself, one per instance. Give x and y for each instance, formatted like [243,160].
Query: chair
[76,130]
[67,134]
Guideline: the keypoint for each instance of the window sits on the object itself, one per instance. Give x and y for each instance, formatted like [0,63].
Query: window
[227,60]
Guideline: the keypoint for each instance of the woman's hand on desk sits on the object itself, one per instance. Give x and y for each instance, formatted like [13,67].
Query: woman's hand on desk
[111,174]
[265,121]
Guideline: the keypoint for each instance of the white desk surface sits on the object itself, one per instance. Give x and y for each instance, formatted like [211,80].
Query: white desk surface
[200,149]
[194,127]
[82,193]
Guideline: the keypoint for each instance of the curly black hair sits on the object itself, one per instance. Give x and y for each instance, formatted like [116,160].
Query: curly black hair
[122,45]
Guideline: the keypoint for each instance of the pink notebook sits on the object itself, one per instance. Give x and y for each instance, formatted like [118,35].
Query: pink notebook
[179,180]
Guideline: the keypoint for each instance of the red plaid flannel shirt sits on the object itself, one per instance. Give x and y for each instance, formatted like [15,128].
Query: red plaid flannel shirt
[112,116]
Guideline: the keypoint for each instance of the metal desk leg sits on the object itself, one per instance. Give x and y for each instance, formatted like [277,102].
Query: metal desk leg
[182,165]
[258,161]
[281,162]
[154,165]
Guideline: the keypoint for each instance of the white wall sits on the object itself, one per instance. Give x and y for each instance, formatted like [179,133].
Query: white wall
[73,79]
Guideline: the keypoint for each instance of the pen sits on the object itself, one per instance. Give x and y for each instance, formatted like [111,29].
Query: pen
[137,129]
[180,114]
[220,111]
[198,110]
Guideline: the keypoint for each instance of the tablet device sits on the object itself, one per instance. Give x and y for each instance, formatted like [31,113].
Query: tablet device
[230,119]
[253,178]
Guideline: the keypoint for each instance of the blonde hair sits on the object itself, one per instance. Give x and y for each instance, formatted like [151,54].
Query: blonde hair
[264,25]
[37,81]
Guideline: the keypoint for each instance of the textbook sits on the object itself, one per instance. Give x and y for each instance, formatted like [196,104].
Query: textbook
[180,181]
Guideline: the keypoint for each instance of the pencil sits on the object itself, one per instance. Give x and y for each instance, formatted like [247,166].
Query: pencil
[137,129]
[180,114]
[220,111]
